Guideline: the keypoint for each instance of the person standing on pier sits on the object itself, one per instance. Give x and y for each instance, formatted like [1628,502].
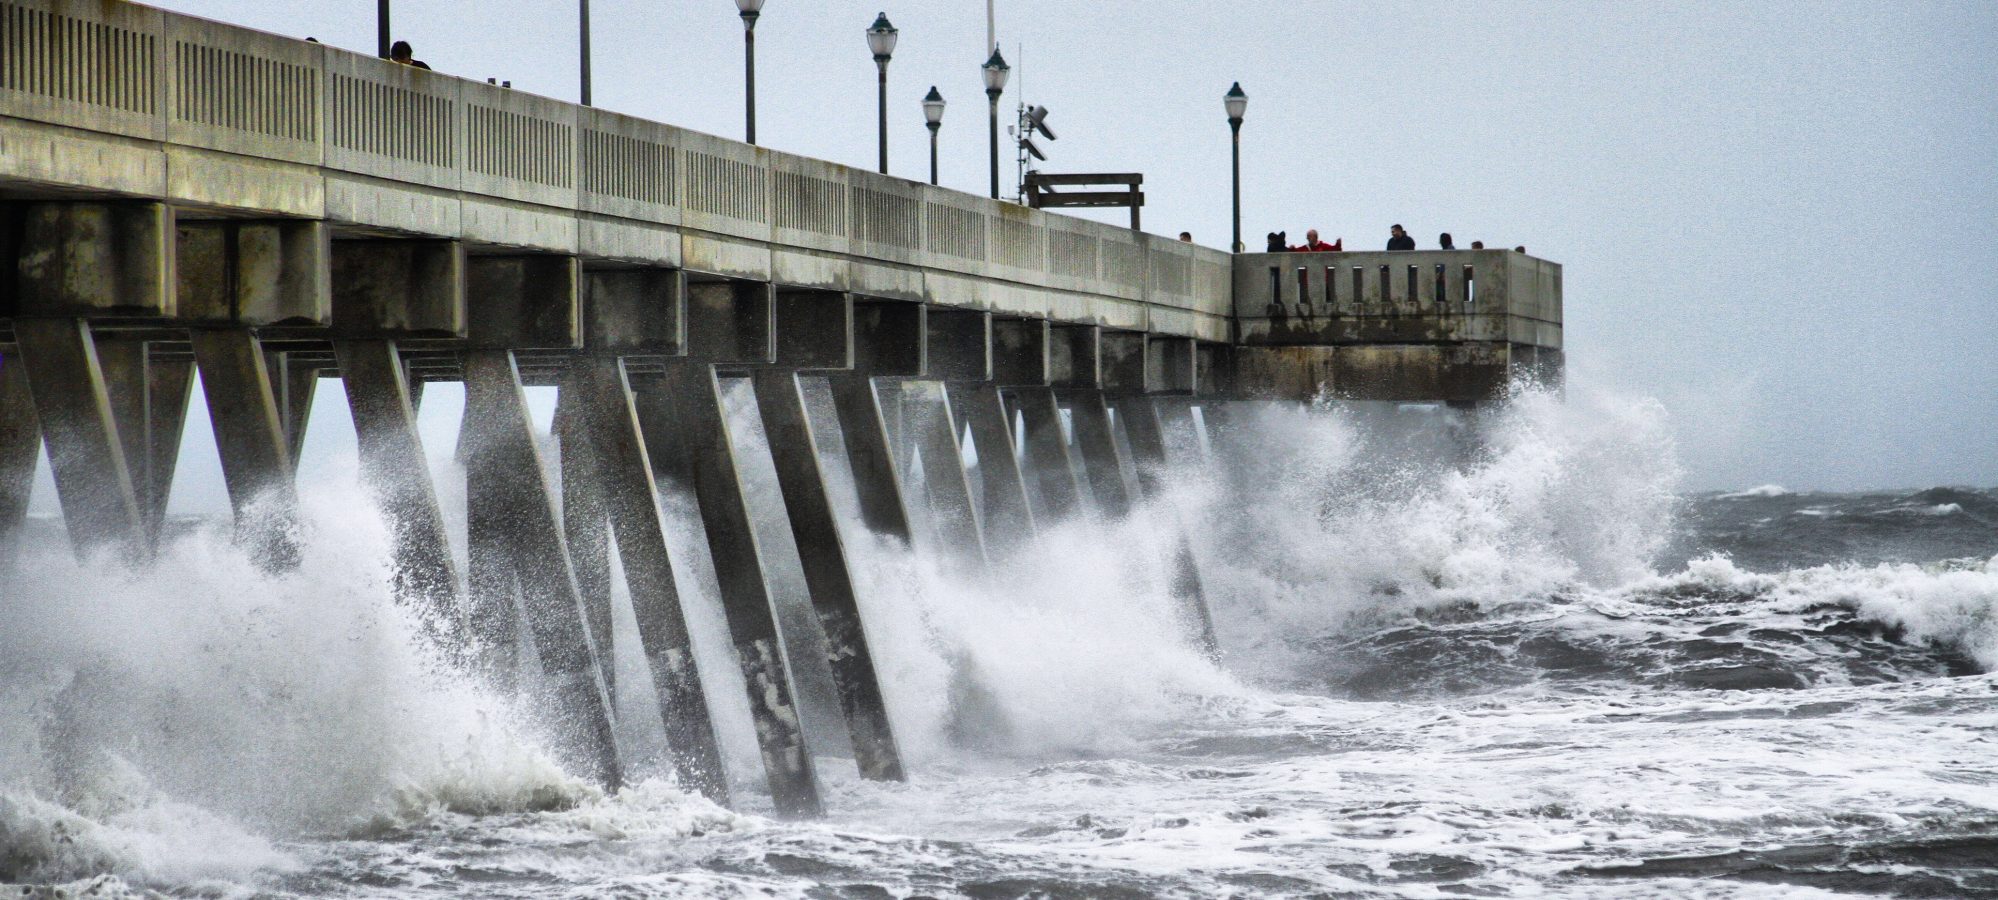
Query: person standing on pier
[1313,245]
[406,55]
[1400,240]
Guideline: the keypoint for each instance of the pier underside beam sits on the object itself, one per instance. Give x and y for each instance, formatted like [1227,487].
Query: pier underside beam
[604,449]
[503,459]
[396,470]
[249,432]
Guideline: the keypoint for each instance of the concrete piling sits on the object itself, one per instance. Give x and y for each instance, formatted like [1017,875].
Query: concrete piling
[1101,457]
[1048,454]
[702,423]
[93,481]
[877,478]
[828,576]
[1009,518]
[504,459]
[20,449]
[1146,434]
[249,432]
[598,401]
[936,433]
[395,469]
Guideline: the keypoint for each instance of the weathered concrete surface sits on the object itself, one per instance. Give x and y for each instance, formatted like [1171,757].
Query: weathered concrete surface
[603,423]
[20,446]
[702,423]
[1051,468]
[828,577]
[249,432]
[395,469]
[502,456]
[93,480]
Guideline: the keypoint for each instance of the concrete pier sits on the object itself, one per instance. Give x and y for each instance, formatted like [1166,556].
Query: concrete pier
[175,190]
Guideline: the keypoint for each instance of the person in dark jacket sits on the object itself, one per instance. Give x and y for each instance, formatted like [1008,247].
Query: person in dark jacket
[1278,242]
[406,55]
[1443,242]
[1400,240]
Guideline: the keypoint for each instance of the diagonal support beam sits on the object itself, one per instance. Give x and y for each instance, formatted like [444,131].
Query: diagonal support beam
[1009,519]
[702,422]
[396,470]
[92,478]
[249,432]
[877,478]
[828,578]
[1101,457]
[930,416]
[613,457]
[501,453]
[20,448]
[1146,433]
[1048,454]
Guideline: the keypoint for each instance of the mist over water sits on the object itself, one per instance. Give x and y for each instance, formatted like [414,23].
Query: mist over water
[1523,666]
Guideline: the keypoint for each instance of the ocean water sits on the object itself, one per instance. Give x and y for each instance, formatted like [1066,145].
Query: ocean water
[1527,667]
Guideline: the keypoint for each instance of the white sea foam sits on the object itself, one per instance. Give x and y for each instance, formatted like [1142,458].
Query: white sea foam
[1759,491]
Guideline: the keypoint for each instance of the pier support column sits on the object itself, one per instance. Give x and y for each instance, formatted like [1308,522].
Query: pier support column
[93,481]
[948,485]
[149,394]
[1101,457]
[828,578]
[249,432]
[598,402]
[1048,454]
[1146,433]
[702,423]
[1009,520]
[585,513]
[877,478]
[502,456]
[295,383]
[396,470]
[20,448]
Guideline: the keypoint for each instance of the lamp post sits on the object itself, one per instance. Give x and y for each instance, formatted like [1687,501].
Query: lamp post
[1237,103]
[750,10]
[933,107]
[996,72]
[382,37]
[881,39]
[583,22]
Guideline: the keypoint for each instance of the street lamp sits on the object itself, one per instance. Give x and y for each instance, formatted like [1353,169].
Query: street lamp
[583,23]
[933,107]
[996,72]
[881,40]
[750,10]
[1237,103]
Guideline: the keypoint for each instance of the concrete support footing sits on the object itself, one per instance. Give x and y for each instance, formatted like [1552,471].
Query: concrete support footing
[249,432]
[396,470]
[604,449]
[92,478]
[828,578]
[702,423]
[504,460]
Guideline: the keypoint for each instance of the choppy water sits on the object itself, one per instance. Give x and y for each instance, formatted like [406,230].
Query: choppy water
[1539,671]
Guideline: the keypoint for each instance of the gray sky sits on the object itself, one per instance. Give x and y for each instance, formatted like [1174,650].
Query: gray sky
[1778,219]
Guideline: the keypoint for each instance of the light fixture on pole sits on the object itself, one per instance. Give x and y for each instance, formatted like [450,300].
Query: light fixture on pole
[933,108]
[996,72]
[583,23]
[881,39]
[383,39]
[1237,103]
[750,10]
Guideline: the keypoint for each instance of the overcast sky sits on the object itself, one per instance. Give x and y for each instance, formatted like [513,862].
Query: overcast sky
[1778,219]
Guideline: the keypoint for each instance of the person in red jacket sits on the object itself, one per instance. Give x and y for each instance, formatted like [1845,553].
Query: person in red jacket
[1313,245]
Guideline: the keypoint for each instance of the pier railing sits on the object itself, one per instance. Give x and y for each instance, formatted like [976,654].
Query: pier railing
[245,122]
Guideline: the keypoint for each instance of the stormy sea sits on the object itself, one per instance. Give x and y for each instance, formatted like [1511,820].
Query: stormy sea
[1510,657]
